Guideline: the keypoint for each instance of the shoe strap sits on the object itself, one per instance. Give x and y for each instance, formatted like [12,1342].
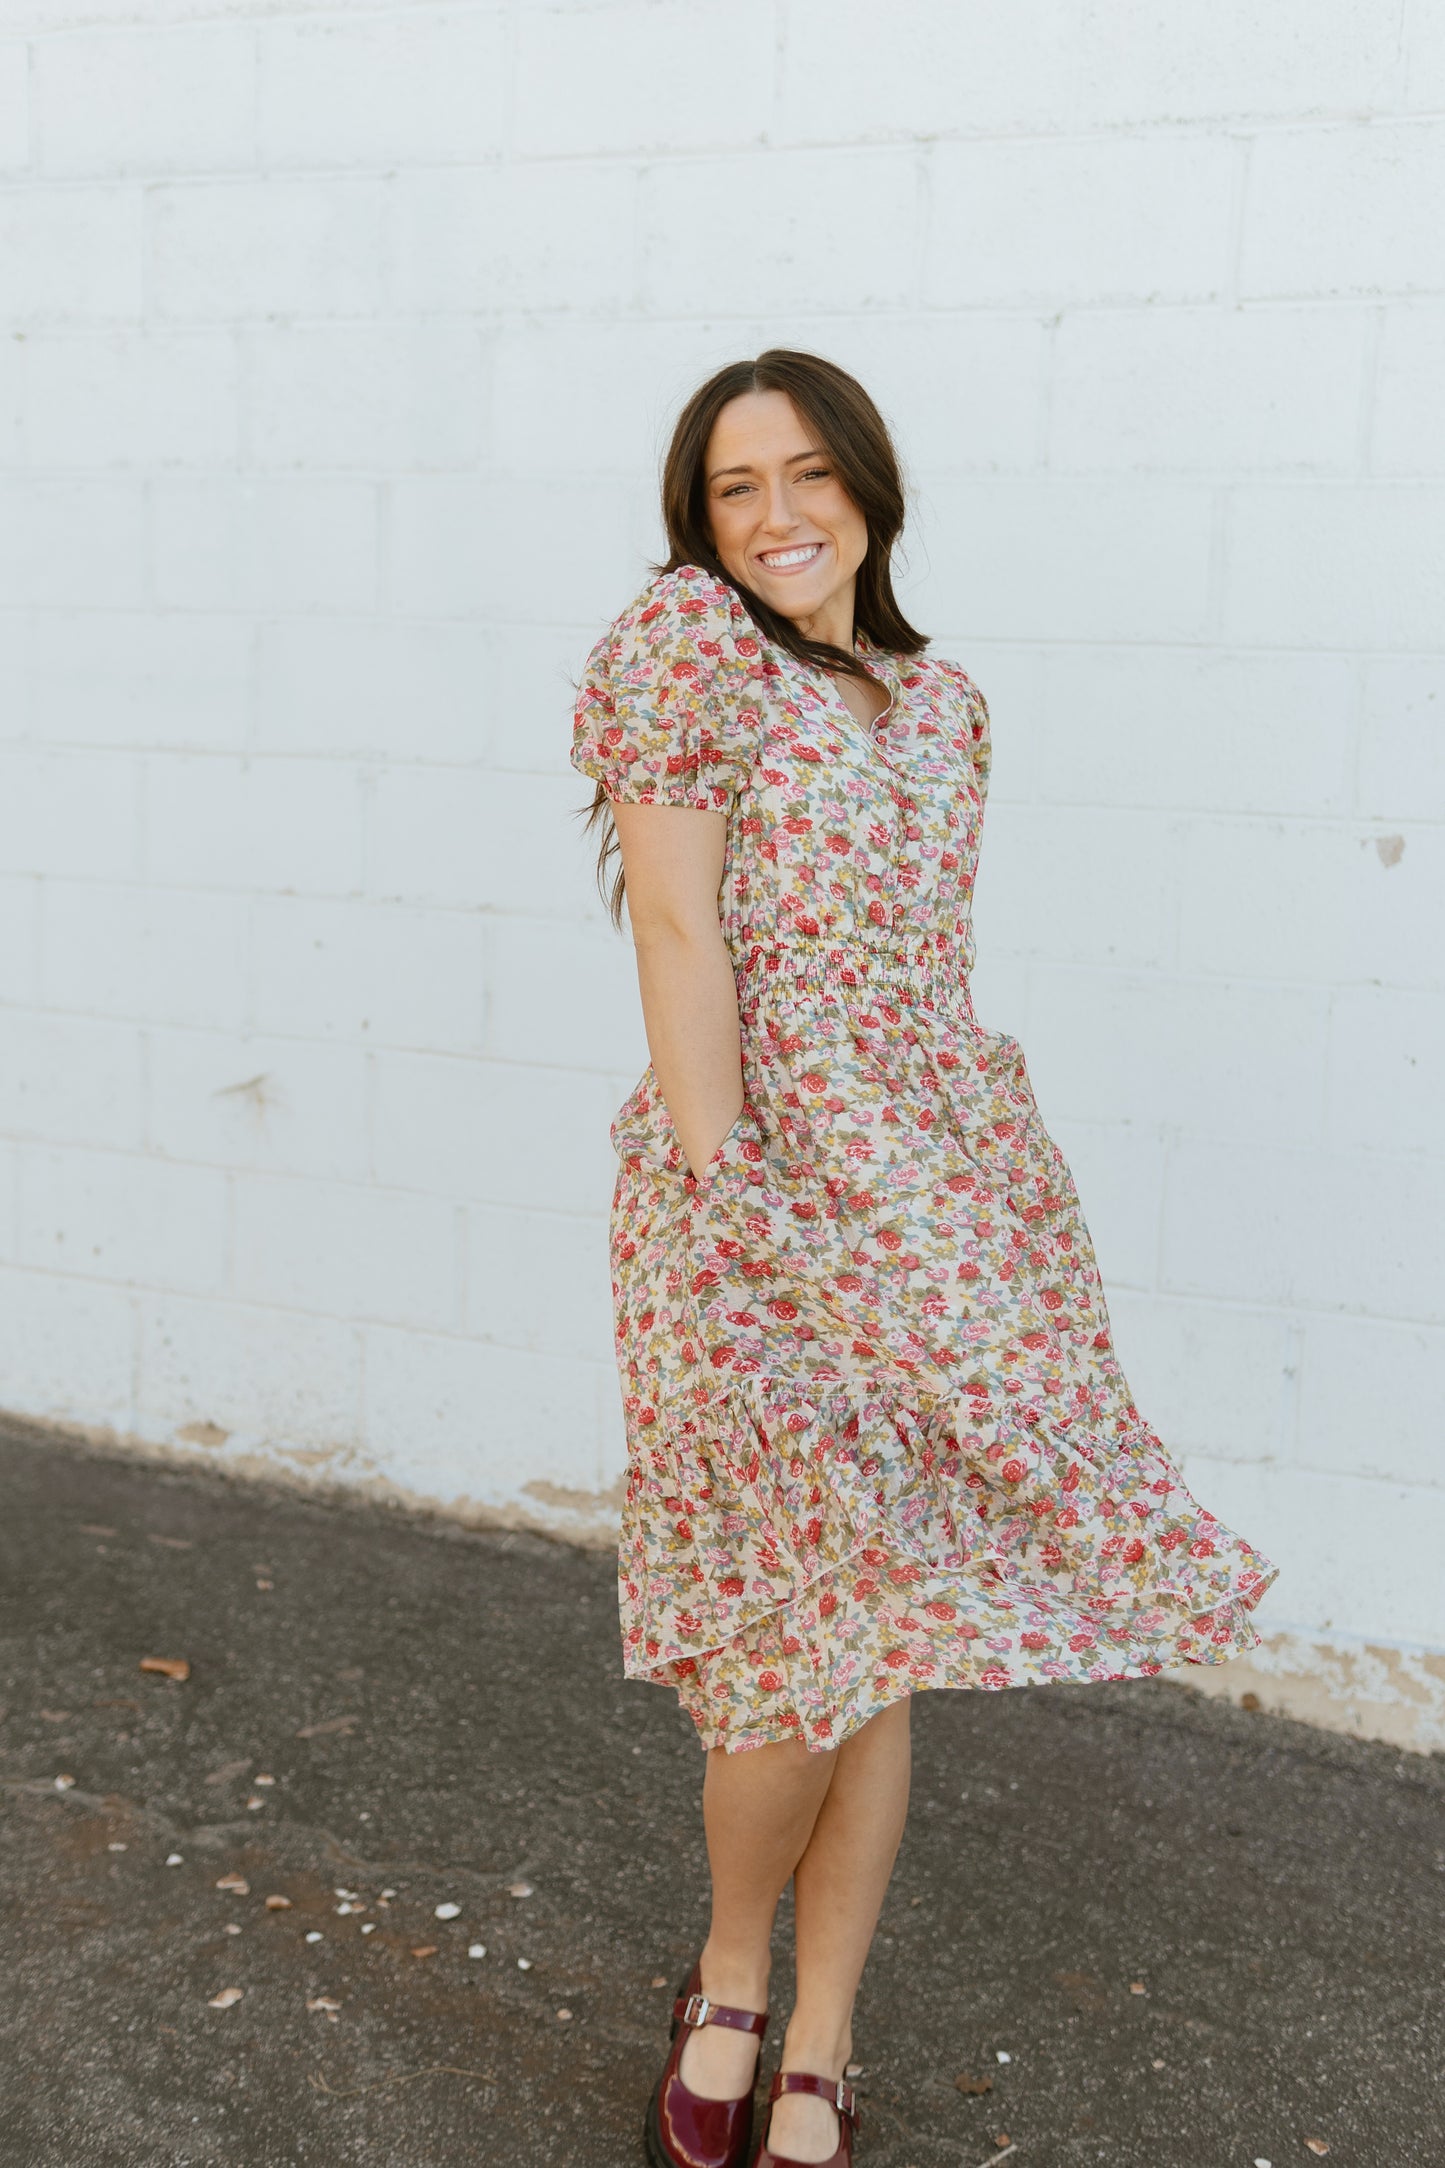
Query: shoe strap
[833,2090]
[695,2010]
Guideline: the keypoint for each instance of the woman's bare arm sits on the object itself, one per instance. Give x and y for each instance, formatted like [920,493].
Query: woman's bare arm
[673,860]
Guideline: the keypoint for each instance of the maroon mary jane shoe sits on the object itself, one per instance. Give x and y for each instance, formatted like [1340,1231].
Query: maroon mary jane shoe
[682,2129]
[836,2093]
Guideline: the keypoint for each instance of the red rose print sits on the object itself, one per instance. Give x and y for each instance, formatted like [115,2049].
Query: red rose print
[888,1254]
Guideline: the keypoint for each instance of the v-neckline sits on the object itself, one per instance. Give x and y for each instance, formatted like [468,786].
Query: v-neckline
[876,732]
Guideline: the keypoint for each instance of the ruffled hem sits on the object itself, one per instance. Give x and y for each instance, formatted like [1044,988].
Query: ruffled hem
[787,1681]
[812,1555]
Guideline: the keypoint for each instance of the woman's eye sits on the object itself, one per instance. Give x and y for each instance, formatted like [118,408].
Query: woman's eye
[814,474]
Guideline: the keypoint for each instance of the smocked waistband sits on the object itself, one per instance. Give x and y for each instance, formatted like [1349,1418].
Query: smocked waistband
[918,968]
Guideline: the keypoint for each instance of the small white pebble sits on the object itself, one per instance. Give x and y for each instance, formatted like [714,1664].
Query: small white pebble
[174,1859]
[230,1928]
[254,1805]
[565,2016]
[350,1895]
[519,1889]
[63,1784]
[315,1935]
[387,1893]
[1259,2163]
[264,1780]
[115,1848]
[363,1817]
[476,1949]
[1003,2055]
[368,1927]
[1158,2063]
[524,1964]
[448,1912]
[343,1908]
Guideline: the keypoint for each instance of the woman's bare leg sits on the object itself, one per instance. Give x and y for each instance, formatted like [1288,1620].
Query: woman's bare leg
[839,1886]
[833,1822]
[759,1809]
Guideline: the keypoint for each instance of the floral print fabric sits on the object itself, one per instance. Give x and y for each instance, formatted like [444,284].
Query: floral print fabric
[879,1439]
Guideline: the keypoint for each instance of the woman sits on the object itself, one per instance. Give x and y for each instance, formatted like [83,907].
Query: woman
[879,1440]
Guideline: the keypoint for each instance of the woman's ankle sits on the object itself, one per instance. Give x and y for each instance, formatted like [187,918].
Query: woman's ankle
[820,2049]
[736,1977]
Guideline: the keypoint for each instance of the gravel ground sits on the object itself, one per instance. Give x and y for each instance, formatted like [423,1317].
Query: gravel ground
[1160,1932]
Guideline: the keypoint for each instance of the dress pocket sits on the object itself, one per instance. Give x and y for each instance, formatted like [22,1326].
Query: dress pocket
[740,1153]
[643,1138]
[642,1133]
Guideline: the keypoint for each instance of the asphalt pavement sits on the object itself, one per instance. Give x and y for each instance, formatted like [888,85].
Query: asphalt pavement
[393,1874]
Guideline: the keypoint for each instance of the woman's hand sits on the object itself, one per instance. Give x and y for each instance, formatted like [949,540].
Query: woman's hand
[672,858]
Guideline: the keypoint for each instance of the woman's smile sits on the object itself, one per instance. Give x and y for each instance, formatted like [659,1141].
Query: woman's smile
[794,559]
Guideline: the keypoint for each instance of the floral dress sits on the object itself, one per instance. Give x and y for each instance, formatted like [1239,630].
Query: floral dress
[878,1437]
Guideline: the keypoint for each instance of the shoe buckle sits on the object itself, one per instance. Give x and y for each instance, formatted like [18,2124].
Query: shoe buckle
[697,2010]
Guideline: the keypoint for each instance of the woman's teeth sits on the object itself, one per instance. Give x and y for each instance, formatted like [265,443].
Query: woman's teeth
[782,560]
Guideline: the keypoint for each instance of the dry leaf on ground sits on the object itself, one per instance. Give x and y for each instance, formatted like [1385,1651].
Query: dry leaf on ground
[326,1728]
[173,1543]
[169,1667]
[237,1882]
[966,2084]
[224,2000]
[425,1949]
[227,1770]
[1317,2145]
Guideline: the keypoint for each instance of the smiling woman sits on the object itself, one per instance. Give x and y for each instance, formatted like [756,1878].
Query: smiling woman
[879,1439]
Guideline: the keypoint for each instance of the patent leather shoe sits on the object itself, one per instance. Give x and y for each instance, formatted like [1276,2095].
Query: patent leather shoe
[682,2130]
[837,2094]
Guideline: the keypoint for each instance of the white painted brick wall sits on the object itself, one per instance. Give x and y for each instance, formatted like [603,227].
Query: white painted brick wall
[337,346]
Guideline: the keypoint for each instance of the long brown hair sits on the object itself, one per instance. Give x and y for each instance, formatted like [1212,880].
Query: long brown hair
[846,424]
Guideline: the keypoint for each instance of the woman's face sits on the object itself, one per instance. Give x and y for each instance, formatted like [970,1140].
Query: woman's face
[782,523]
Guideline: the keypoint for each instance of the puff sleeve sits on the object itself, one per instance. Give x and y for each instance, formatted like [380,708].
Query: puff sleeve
[971,727]
[670,708]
